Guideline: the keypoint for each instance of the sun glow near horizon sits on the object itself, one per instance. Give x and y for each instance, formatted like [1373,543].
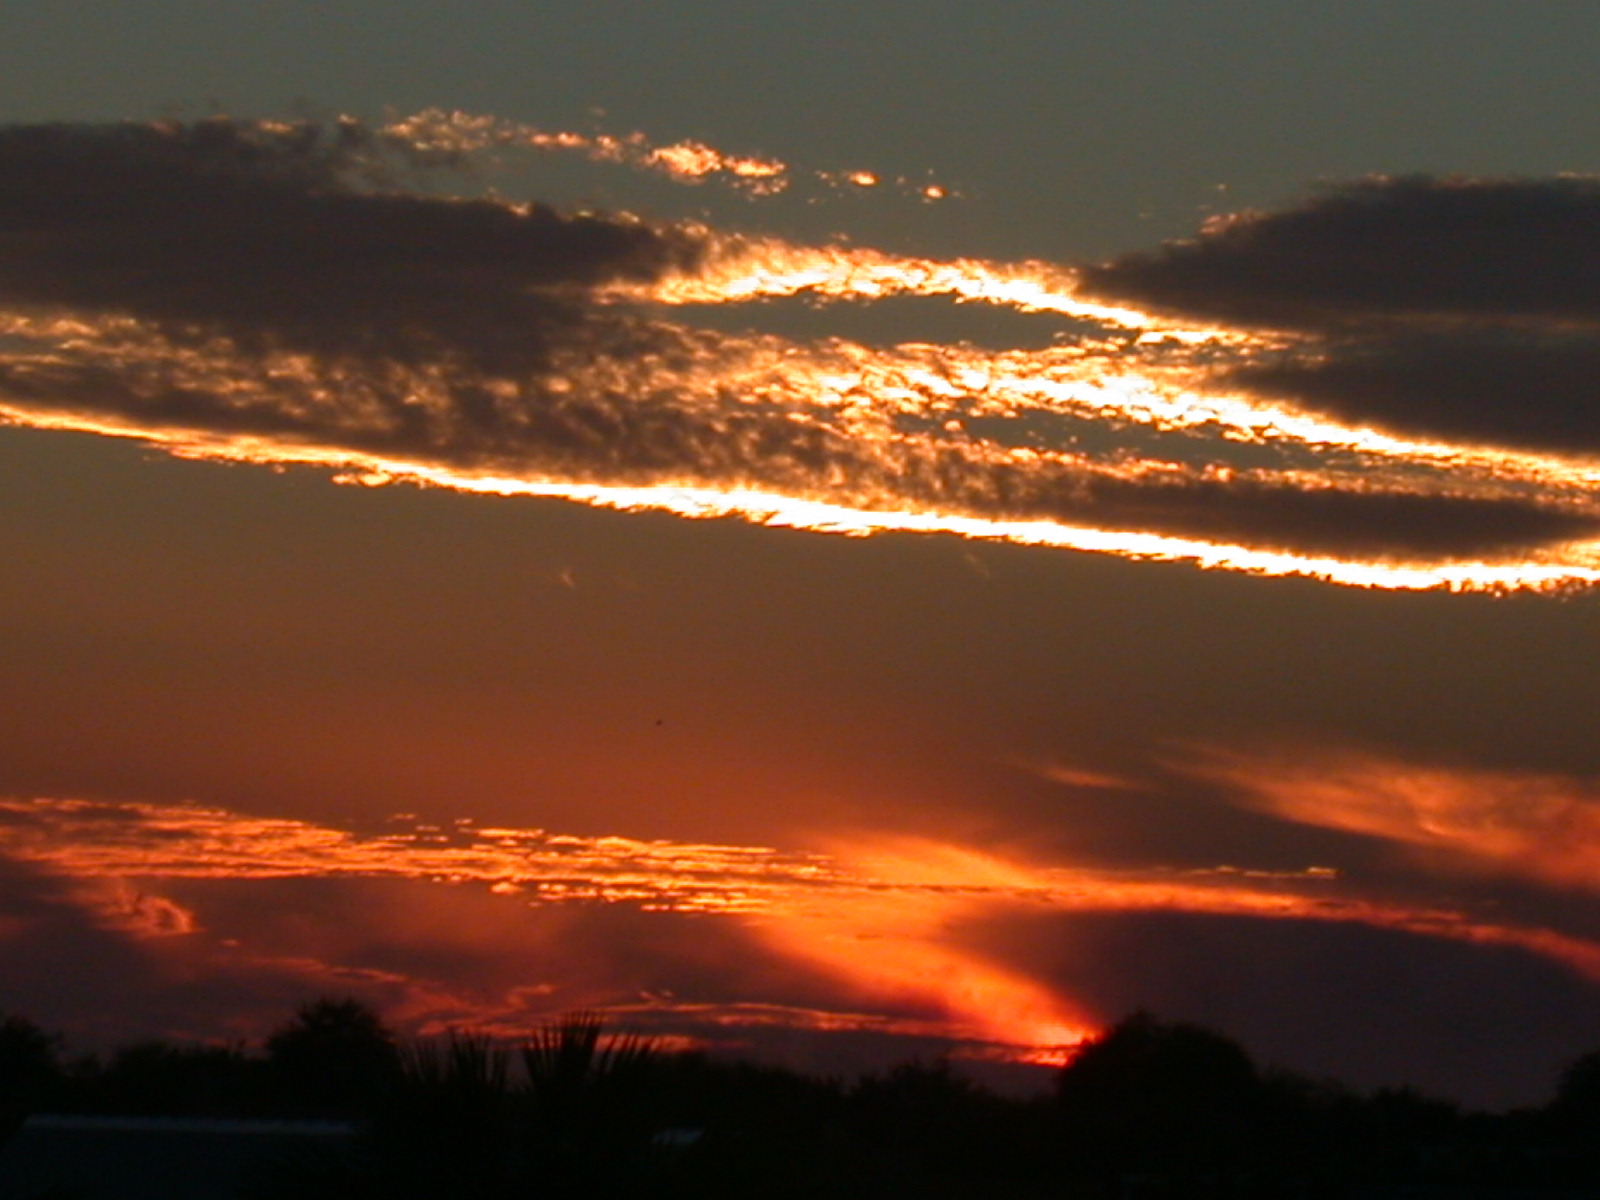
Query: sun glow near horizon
[893,921]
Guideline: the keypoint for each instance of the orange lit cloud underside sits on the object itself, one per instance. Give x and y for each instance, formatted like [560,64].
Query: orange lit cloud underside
[880,916]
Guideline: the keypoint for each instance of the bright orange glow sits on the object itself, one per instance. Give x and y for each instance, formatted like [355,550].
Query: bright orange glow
[437,132]
[1577,564]
[859,391]
[892,920]
[886,938]
[747,269]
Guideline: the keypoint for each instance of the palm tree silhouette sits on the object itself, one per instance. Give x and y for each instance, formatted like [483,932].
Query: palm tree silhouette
[590,1100]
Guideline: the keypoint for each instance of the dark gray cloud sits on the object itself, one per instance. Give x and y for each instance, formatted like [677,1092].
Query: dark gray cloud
[1375,524]
[1384,248]
[1458,310]
[273,235]
[1478,384]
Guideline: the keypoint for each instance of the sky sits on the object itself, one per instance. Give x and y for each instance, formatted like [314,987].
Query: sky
[828,532]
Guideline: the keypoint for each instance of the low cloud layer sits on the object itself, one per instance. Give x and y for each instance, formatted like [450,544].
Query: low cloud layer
[494,926]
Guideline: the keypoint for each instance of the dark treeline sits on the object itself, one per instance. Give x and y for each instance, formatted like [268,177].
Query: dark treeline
[1150,1109]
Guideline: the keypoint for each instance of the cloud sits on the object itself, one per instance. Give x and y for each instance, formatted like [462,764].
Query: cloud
[636,430]
[67,943]
[456,922]
[263,232]
[1384,247]
[1537,826]
[1483,385]
[1331,520]
[1460,312]
[138,840]
[269,292]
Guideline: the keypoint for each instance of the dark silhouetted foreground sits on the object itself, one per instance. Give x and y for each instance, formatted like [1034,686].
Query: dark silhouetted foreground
[1150,1109]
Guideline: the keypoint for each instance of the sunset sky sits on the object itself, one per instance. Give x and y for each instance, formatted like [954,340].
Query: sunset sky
[833,532]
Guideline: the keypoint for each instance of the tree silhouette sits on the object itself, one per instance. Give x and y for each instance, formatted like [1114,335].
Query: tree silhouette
[1577,1097]
[334,1058]
[1172,1100]
[30,1070]
[1572,1118]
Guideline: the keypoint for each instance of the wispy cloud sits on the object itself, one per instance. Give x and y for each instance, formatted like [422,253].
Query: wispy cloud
[1539,826]
[458,137]
[269,292]
[86,839]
